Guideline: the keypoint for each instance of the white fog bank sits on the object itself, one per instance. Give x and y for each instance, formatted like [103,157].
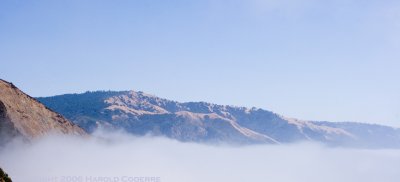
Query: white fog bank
[125,158]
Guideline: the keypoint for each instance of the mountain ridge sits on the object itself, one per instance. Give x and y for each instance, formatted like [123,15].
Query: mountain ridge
[140,113]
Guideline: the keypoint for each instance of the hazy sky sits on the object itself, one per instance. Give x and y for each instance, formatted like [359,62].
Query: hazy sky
[335,60]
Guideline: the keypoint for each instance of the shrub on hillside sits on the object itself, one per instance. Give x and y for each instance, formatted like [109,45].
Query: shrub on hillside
[4,176]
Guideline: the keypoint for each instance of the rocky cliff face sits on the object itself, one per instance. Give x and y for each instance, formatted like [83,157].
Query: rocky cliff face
[140,113]
[22,115]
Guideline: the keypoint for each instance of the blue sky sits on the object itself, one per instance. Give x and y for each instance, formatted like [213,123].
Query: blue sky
[336,60]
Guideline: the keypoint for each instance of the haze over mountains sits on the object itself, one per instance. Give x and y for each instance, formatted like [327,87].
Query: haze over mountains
[84,158]
[142,114]
[139,113]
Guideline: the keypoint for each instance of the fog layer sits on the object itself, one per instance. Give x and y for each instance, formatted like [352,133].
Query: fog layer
[126,158]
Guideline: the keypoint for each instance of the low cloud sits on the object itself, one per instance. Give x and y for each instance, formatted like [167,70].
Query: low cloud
[125,158]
